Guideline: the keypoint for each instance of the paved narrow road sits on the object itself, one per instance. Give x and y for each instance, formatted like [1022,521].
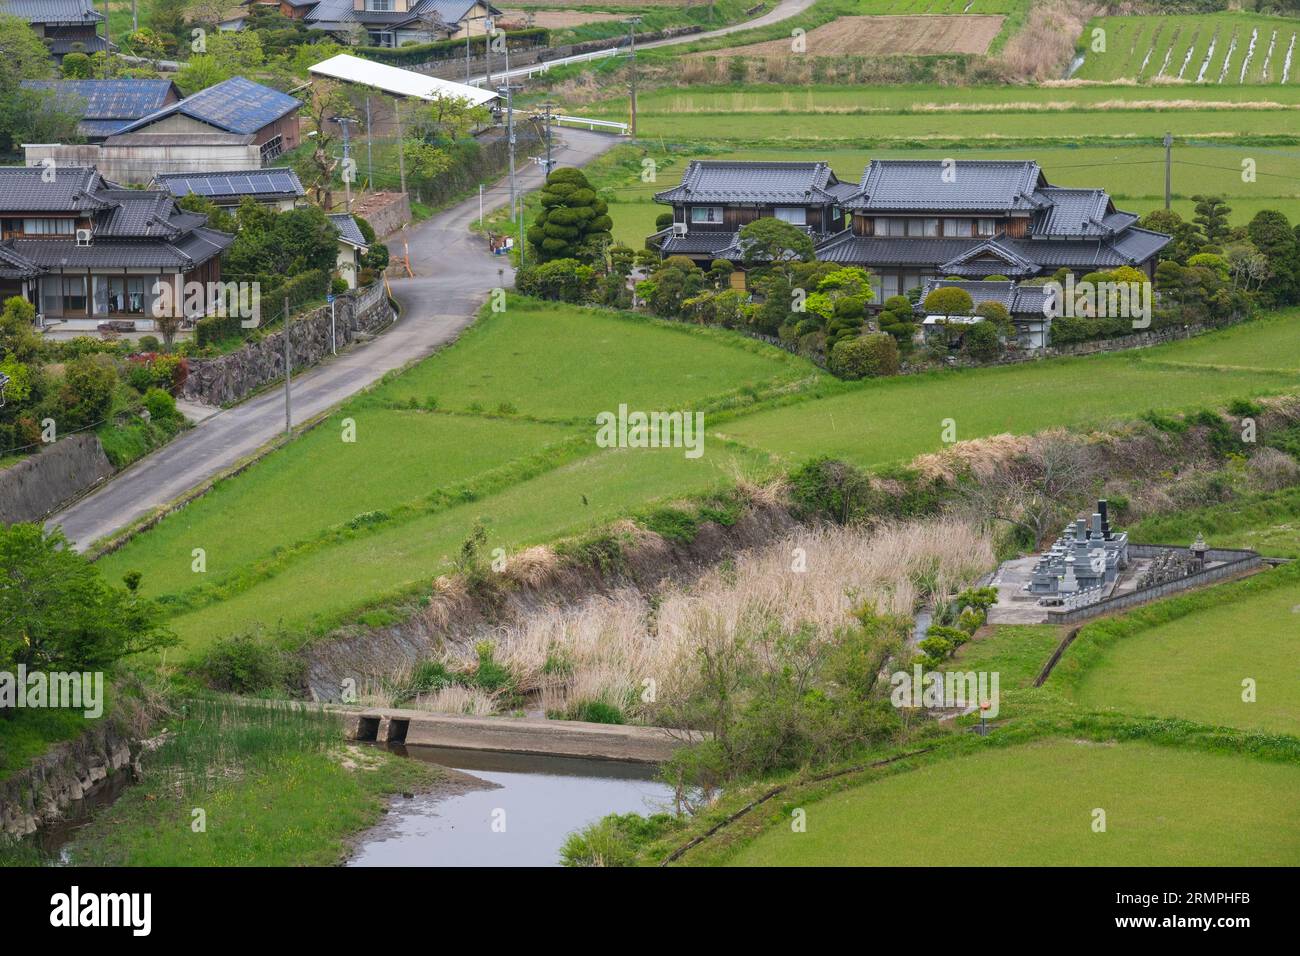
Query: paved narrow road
[454,275]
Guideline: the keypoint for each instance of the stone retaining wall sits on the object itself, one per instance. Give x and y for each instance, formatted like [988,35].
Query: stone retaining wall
[34,488]
[230,378]
[1235,562]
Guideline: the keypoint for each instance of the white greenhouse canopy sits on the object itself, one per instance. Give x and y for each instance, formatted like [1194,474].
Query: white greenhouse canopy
[398,82]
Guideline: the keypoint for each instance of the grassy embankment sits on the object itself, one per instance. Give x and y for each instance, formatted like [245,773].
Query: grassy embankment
[275,785]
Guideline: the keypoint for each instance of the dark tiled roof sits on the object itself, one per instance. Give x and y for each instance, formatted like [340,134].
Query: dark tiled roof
[59,44]
[52,11]
[719,181]
[698,243]
[263,183]
[1018,299]
[849,249]
[348,229]
[129,227]
[968,186]
[236,106]
[73,189]
[15,266]
[116,100]
[1007,260]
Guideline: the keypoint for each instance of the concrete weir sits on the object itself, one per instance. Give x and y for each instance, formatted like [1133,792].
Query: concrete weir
[523,735]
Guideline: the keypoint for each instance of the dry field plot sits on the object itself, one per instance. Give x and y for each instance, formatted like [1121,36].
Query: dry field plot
[882,36]
[556,19]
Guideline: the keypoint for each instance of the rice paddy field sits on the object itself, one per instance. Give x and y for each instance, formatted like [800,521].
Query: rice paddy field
[1033,805]
[1217,50]
[475,434]
[1193,666]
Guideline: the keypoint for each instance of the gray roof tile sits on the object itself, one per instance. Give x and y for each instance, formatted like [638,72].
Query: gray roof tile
[348,229]
[972,186]
[52,11]
[766,183]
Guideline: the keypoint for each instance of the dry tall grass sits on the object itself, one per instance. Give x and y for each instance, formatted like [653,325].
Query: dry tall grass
[1044,46]
[607,648]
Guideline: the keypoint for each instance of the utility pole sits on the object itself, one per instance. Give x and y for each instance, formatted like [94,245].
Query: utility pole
[631,31]
[135,16]
[510,138]
[348,174]
[288,415]
[548,107]
[370,156]
[487,51]
[401,142]
[1169,142]
[467,51]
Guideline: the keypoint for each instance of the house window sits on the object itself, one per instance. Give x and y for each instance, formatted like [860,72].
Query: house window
[74,294]
[49,227]
[888,286]
[876,287]
[126,294]
[987,227]
[923,227]
[380,6]
[956,227]
[382,38]
[891,226]
[797,215]
[272,148]
[712,214]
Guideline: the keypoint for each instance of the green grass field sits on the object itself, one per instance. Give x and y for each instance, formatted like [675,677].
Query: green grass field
[1193,666]
[1267,523]
[1218,50]
[1032,805]
[890,420]
[435,473]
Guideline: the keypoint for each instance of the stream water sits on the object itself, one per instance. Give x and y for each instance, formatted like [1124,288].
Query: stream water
[520,819]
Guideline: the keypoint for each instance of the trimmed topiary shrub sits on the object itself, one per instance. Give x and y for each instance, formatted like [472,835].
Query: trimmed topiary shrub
[867,356]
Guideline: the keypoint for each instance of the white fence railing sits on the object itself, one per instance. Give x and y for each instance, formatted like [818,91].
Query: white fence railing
[544,66]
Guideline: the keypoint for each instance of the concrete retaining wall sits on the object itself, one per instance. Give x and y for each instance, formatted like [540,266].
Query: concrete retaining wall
[233,377]
[1235,562]
[560,738]
[32,489]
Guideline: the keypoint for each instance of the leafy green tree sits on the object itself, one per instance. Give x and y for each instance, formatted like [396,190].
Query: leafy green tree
[1272,235]
[574,223]
[28,115]
[774,243]
[865,356]
[981,341]
[218,218]
[77,66]
[57,612]
[1211,219]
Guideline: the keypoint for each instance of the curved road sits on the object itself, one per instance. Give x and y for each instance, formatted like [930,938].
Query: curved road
[454,275]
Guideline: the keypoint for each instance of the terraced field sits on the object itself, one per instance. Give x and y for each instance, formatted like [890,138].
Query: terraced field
[1223,49]
[1034,805]
[476,433]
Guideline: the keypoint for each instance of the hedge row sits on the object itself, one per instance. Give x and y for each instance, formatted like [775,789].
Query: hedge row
[300,289]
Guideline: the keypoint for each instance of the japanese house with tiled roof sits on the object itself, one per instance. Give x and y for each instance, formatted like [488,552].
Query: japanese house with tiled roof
[716,198]
[392,23]
[85,251]
[915,220]
[66,26]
